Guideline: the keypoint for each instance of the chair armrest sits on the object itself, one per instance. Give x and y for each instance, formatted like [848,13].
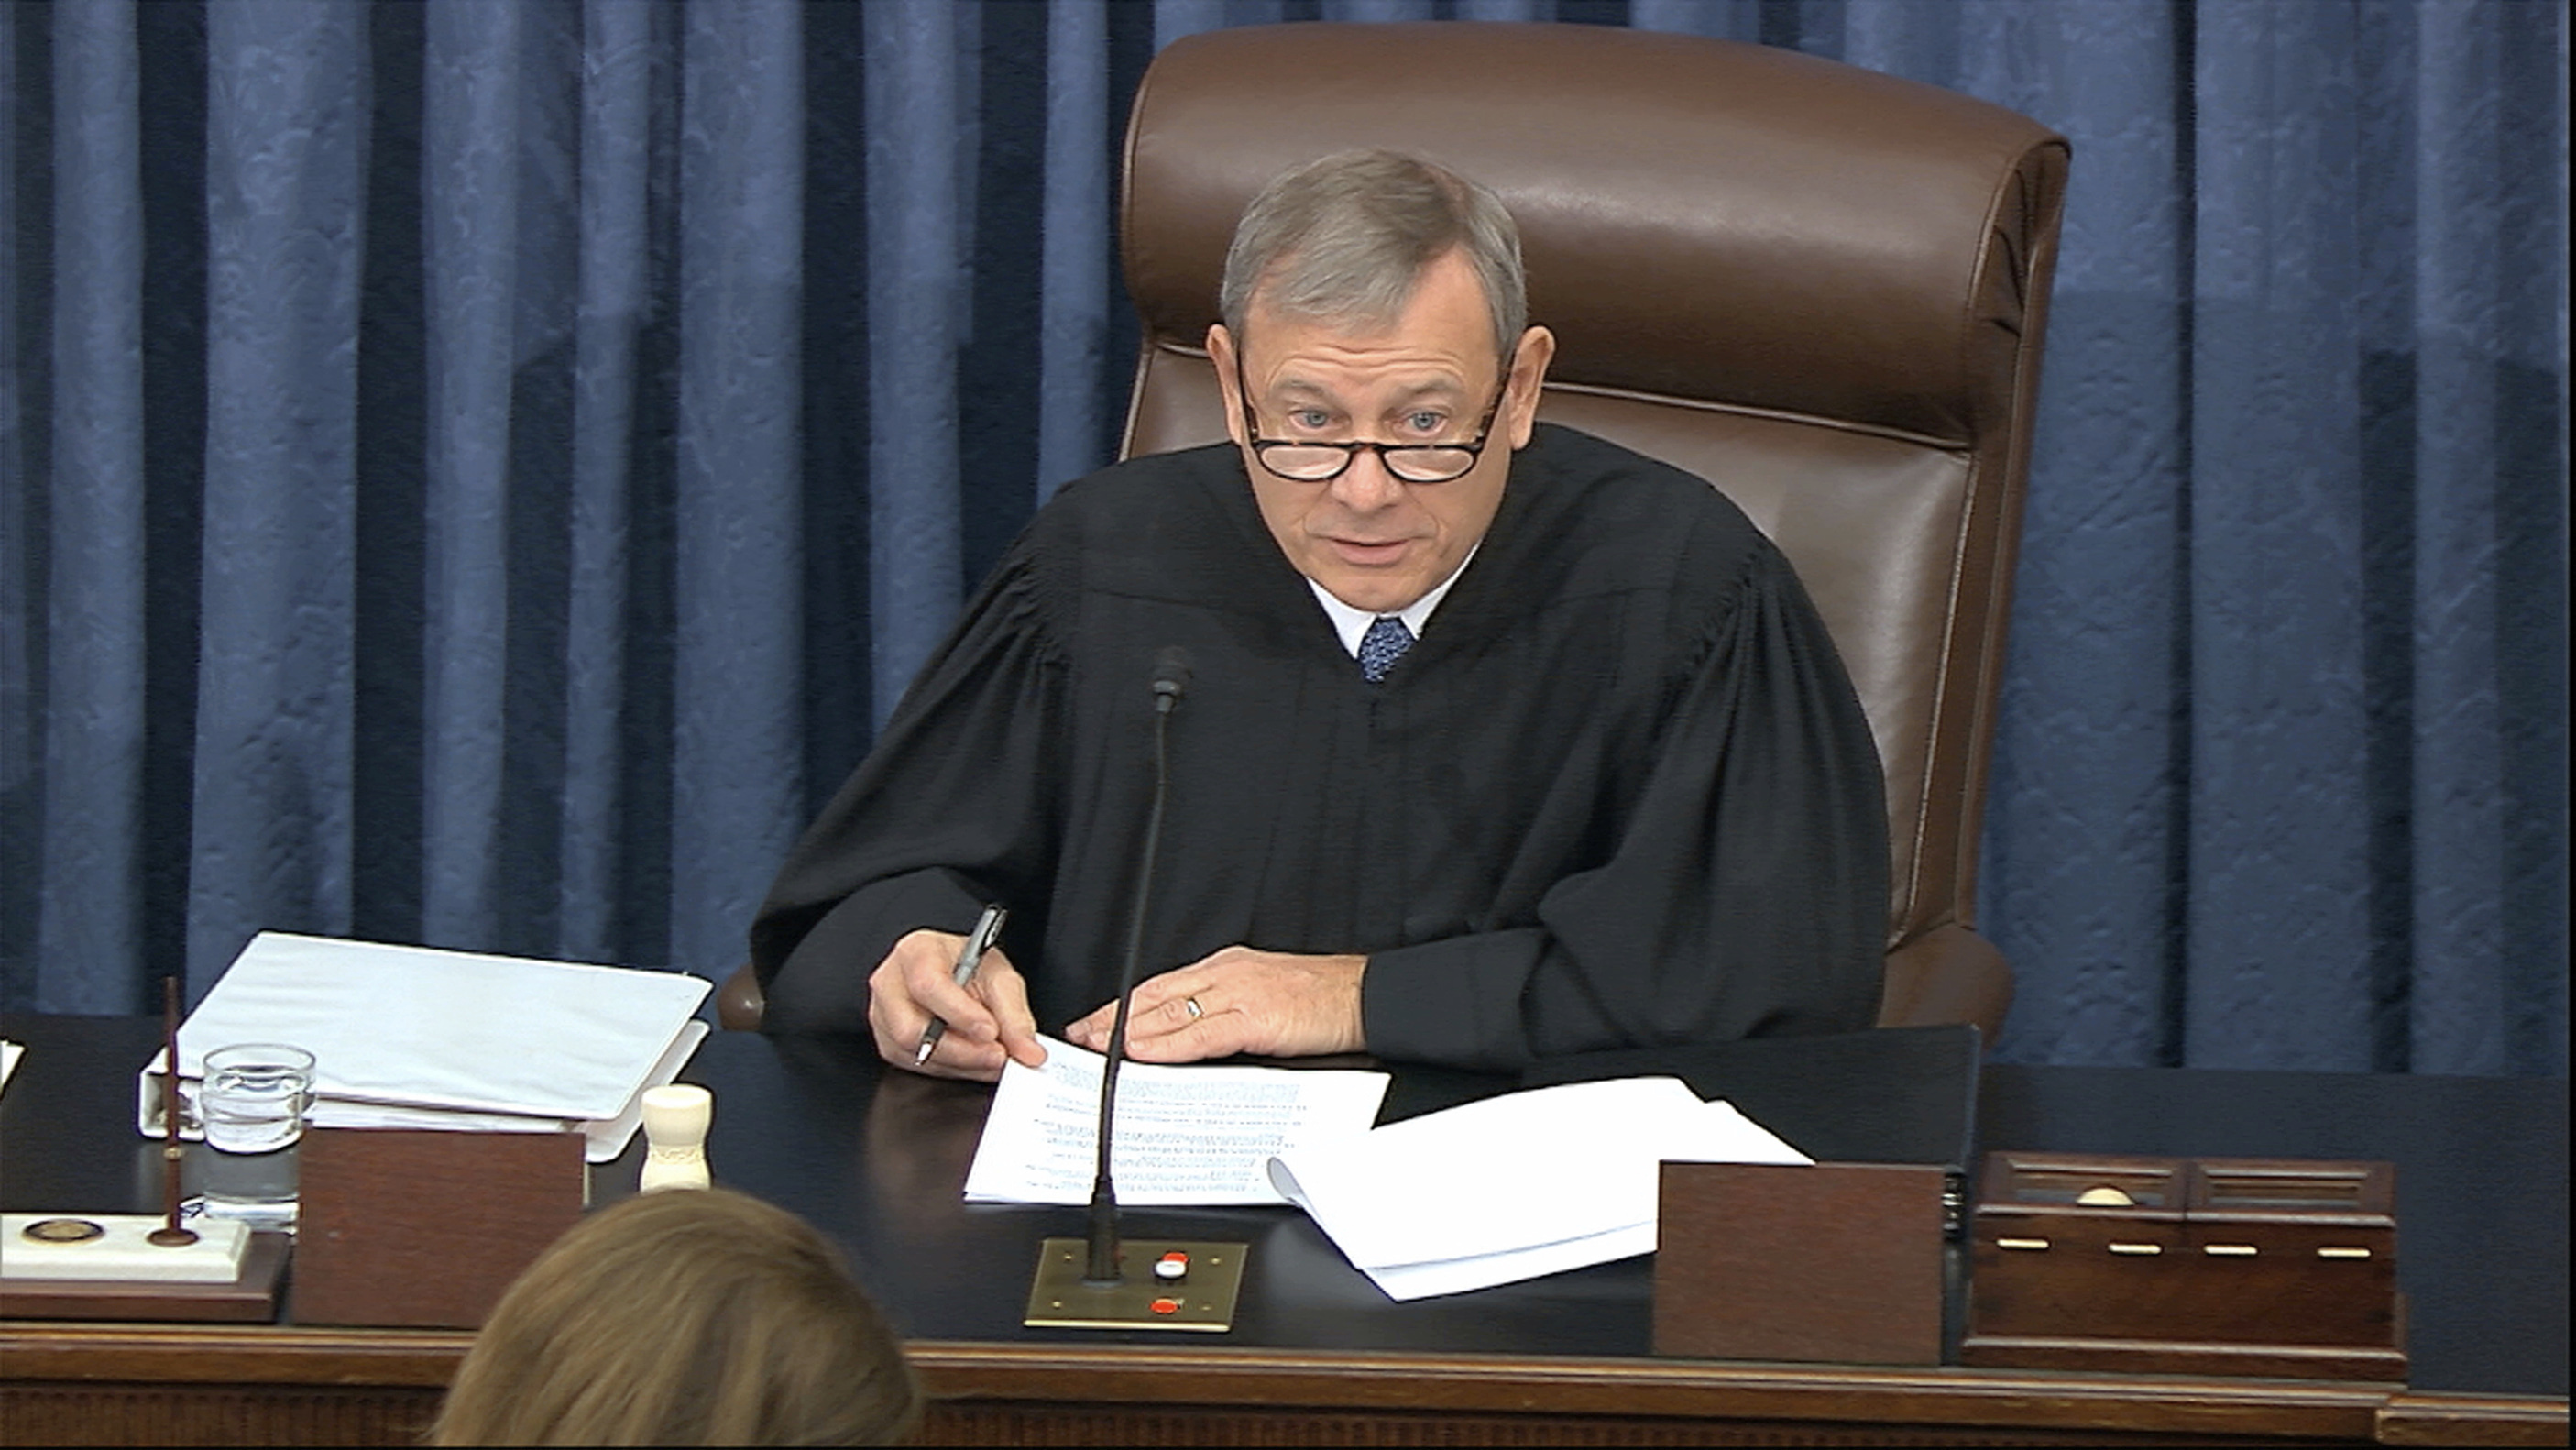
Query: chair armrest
[1947,974]
[739,1002]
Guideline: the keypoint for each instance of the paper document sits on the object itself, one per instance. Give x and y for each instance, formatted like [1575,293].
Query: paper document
[1512,1187]
[1184,1135]
[10,1052]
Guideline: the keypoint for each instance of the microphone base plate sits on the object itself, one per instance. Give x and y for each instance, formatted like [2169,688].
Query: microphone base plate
[1205,1298]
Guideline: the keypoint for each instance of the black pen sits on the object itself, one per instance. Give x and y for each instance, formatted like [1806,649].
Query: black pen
[988,928]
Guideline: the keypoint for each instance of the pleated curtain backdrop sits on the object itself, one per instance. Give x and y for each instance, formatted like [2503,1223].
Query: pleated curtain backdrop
[477,473]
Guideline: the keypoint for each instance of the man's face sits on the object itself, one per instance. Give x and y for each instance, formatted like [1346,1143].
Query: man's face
[1375,541]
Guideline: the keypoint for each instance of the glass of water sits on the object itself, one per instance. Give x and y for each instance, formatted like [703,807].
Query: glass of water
[252,1105]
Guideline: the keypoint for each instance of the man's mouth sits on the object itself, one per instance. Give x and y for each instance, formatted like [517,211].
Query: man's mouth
[1366,551]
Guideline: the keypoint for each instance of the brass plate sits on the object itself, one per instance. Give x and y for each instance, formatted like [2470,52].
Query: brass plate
[1060,1300]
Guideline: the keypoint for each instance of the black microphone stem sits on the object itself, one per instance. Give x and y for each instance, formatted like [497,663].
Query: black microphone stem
[1103,1268]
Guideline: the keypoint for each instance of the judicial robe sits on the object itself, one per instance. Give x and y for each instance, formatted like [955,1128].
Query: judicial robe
[1619,794]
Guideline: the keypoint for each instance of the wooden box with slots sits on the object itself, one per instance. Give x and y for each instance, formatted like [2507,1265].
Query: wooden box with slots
[2255,1266]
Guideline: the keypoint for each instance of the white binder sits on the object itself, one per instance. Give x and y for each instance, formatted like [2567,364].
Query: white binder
[419,1037]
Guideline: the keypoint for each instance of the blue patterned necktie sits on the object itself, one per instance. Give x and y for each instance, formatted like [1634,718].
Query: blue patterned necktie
[1385,643]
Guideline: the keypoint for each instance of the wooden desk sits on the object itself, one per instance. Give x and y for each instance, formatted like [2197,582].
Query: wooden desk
[1319,1356]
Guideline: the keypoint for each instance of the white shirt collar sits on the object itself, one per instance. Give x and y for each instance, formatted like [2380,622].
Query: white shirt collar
[1351,623]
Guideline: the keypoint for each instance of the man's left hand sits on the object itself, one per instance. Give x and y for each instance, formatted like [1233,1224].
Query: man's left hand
[1274,1004]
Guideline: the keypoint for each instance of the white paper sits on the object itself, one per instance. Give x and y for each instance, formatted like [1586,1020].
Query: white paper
[441,1029]
[1184,1135]
[1511,1187]
[10,1052]
[336,1113]
[1457,1276]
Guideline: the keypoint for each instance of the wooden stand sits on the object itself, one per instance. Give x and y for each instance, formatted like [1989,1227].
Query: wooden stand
[423,1229]
[2239,1266]
[1831,1262]
[249,1297]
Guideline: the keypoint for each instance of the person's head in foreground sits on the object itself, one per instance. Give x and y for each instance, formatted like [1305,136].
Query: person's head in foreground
[692,1317]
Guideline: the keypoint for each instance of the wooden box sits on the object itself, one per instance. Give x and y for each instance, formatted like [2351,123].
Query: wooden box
[1831,1262]
[425,1229]
[2252,1266]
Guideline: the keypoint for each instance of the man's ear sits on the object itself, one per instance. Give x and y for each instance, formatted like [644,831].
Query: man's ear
[1529,374]
[1220,348]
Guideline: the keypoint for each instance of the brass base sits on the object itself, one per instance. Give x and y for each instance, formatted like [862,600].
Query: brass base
[1203,1300]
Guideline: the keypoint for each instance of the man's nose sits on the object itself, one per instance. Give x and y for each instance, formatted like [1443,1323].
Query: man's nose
[1366,486]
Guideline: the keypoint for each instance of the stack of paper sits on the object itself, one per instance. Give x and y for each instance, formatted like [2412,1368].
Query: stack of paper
[1184,1135]
[1517,1186]
[417,1037]
[1504,1189]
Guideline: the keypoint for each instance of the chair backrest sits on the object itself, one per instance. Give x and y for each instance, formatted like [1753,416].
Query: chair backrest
[1819,287]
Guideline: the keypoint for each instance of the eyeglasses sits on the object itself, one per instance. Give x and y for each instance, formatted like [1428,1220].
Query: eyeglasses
[1302,461]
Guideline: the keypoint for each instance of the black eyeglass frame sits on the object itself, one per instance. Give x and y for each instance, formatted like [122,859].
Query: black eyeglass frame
[1263,447]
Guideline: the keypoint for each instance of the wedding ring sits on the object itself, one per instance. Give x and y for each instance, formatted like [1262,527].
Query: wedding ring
[1195,1010]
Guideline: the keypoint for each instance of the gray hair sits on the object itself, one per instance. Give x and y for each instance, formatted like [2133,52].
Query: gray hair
[1346,238]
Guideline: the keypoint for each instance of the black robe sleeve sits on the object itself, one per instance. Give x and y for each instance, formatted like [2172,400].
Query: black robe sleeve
[1746,894]
[949,810]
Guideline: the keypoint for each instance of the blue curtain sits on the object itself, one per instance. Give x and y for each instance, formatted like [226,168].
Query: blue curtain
[477,473]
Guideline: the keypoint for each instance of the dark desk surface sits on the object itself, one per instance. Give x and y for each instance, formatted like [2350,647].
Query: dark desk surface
[877,1161]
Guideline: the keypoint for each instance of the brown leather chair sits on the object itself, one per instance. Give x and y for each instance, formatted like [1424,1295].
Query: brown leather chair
[1819,287]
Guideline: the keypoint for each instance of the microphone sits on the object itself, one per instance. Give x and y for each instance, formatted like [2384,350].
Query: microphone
[1079,1282]
[1171,681]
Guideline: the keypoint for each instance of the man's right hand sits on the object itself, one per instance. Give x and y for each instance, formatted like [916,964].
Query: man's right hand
[988,1018]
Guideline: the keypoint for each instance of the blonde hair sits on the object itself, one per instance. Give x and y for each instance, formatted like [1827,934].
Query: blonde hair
[684,1318]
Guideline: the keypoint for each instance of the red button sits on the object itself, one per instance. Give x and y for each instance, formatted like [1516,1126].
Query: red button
[1167,1306]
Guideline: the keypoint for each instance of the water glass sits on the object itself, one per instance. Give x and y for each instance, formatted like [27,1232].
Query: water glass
[252,1104]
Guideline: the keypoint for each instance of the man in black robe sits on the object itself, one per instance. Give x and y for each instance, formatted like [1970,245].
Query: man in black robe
[1491,752]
